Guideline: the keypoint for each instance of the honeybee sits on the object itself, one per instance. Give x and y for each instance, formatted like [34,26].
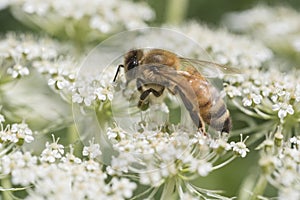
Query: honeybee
[156,70]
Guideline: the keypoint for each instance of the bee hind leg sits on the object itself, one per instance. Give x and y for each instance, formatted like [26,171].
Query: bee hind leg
[198,121]
[145,93]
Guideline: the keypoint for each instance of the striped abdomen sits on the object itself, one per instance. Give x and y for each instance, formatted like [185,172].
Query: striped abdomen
[212,108]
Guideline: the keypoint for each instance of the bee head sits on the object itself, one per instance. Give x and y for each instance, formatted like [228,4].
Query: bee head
[131,61]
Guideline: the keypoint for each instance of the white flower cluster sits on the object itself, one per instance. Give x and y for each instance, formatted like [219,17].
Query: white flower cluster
[280,161]
[240,147]
[80,20]
[92,151]
[87,90]
[20,54]
[21,166]
[52,151]
[16,133]
[265,93]
[158,156]
[17,52]
[69,177]
[278,26]
[60,73]
[227,48]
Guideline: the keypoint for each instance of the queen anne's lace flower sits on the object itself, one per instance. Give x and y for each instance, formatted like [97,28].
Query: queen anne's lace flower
[226,48]
[18,71]
[240,148]
[85,22]
[283,109]
[69,177]
[278,26]
[89,90]
[52,152]
[261,94]
[21,166]
[21,53]
[91,151]
[16,133]
[280,163]
[158,156]
[22,131]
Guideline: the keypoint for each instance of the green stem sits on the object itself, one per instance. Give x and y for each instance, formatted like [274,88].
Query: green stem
[169,189]
[224,163]
[259,187]
[176,11]
[5,183]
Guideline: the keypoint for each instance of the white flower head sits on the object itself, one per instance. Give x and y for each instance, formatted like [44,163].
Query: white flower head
[159,157]
[202,167]
[282,166]
[89,89]
[21,167]
[84,95]
[91,151]
[283,109]
[277,26]
[239,147]
[227,48]
[70,157]
[122,187]
[18,71]
[98,18]
[22,131]
[288,193]
[52,151]
[263,95]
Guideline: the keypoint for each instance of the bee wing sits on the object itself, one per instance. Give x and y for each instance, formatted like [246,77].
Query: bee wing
[159,73]
[209,69]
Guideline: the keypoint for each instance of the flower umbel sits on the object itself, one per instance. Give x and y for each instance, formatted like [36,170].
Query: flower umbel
[97,18]
[281,166]
[159,157]
[16,133]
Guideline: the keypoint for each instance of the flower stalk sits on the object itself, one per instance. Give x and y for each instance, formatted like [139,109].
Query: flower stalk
[6,185]
[259,188]
[176,11]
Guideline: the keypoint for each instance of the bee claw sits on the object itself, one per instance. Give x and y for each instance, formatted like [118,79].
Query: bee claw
[202,131]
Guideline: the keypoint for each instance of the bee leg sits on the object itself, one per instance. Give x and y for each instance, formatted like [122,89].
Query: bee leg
[145,93]
[139,84]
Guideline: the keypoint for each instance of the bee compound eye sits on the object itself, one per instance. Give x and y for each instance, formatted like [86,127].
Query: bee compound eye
[132,64]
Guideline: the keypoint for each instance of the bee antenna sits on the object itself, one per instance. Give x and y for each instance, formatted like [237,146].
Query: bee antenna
[118,70]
